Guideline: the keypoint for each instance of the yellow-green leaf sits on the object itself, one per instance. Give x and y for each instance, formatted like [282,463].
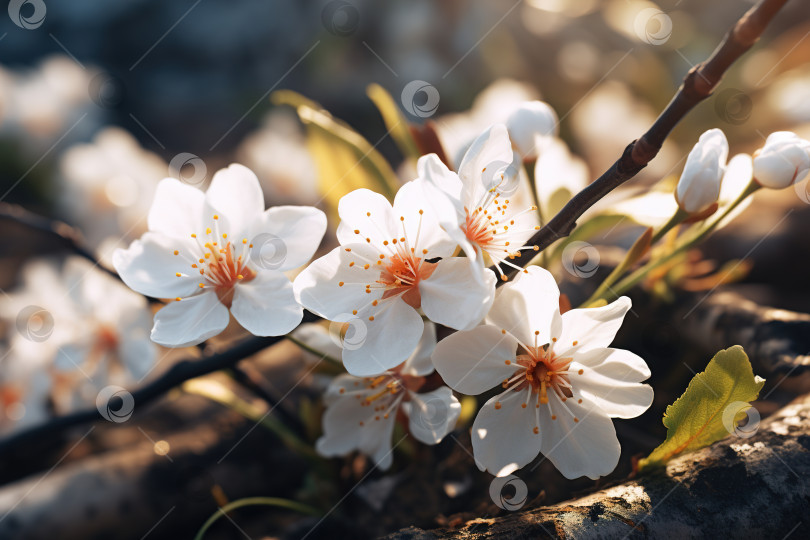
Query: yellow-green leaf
[395,121]
[345,160]
[713,403]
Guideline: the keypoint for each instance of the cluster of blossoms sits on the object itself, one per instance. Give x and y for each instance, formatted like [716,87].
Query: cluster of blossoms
[78,329]
[428,263]
[399,263]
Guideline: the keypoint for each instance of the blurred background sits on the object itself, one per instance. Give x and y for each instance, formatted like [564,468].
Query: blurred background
[100,100]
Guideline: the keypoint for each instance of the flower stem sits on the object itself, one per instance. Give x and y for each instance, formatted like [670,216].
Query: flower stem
[636,277]
[254,501]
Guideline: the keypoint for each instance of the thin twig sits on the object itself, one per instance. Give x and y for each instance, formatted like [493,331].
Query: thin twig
[69,237]
[697,86]
[178,374]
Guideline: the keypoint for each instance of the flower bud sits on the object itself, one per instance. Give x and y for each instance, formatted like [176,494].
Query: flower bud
[529,126]
[699,185]
[783,161]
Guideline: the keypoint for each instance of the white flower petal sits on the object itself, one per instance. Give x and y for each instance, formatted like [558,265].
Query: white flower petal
[150,267]
[503,439]
[783,161]
[236,195]
[190,321]
[442,190]
[389,339]
[177,210]
[432,415]
[318,337]
[474,361]
[610,380]
[354,209]
[431,169]
[300,229]
[490,150]
[616,363]
[455,296]
[266,306]
[530,126]
[339,386]
[699,184]
[419,363]
[420,228]
[341,427]
[318,287]
[590,328]
[528,304]
[586,447]
[381,430]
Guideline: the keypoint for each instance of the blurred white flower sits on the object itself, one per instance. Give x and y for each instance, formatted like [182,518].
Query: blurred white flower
[220,252]
[561,382]
[385,271]
[473,206]
[530,127]
[77,330]
[699,184]
[493,105]
[40,105]
[108,186]
[783,161]
[278,154]
[24,389]
[361,412]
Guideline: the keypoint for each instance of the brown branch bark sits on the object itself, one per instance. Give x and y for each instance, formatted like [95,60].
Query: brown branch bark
[127,490]
[697,86]
[178,374]
[776,340]
[736,488]
[68,236]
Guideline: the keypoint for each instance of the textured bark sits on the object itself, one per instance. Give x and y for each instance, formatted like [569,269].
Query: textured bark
[776,340]
[112,484]
[737,488]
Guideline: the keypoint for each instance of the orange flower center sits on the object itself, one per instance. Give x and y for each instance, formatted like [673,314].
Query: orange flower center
[401,276]
[220,263]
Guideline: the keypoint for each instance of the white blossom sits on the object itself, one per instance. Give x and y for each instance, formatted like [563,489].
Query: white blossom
[217,252]
[561,383]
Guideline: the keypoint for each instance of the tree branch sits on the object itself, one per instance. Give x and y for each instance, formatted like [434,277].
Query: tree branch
[67,236]
[178,374]
[697,86]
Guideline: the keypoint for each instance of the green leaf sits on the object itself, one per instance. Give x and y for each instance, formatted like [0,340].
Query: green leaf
[394,120]
[713,403]
[346,161]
